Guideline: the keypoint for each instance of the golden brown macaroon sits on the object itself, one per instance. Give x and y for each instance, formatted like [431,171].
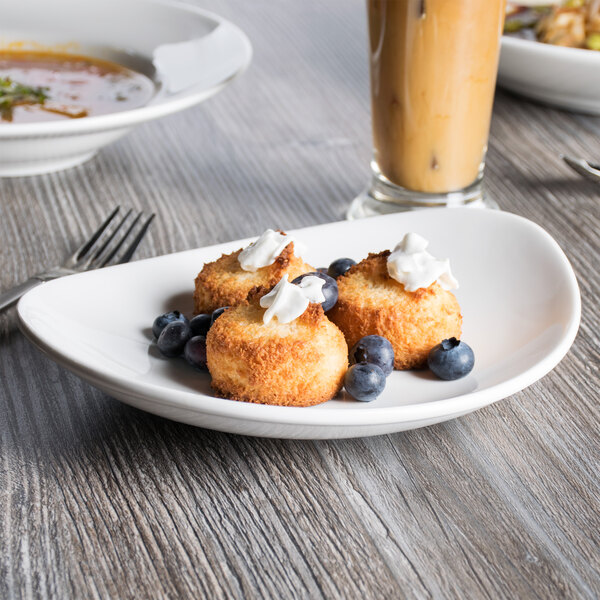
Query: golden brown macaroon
[224,282]
[371,302]
[301,363]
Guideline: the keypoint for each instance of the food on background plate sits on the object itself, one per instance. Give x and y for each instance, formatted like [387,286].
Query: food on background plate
[403,296]
[572,24]
[228,280]
[48,86]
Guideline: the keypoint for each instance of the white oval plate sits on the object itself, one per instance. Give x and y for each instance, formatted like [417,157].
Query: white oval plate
[564,77]
[190,53]
[518,294]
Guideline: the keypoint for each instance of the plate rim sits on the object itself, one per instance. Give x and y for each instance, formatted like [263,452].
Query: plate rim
[329,417]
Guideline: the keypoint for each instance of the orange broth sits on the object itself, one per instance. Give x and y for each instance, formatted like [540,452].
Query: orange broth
[75,86]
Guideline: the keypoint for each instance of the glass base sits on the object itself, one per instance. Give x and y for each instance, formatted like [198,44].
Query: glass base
[382,197]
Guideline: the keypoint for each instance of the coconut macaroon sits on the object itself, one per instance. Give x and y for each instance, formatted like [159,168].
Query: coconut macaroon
[290,354]
[403,296]
[228,280]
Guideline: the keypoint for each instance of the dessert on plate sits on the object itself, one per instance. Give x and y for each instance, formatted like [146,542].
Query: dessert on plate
[403,296]
[278,347]
[228,280]
[276,344]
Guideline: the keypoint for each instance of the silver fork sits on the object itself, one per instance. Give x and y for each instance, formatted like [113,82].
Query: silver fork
[583,167]
[100,250]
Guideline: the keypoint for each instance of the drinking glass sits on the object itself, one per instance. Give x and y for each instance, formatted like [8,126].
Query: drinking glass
[433,67]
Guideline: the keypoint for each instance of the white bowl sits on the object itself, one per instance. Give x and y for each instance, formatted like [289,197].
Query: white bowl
[563,77]
[190,54]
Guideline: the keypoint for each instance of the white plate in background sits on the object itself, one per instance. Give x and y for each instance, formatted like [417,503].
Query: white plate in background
[564,77]
[518,294]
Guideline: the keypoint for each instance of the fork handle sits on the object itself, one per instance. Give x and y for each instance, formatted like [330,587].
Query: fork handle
[9,297]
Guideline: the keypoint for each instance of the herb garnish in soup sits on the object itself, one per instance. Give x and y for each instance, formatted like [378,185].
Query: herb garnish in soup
[47,86]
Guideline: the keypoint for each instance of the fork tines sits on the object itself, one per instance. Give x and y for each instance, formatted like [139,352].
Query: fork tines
[109,239]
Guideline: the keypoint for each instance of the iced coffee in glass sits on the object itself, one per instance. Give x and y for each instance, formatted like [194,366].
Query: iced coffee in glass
[433,70]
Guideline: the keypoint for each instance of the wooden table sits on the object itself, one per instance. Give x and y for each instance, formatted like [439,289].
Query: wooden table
[99,500]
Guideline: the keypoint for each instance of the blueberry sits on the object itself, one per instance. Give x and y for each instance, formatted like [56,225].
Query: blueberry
[173,338]
[200,324]
[163,320]
[217,313]
[340,266]
[452,359]
[364,381]
[195,352]
[330,289]
[322,270]
[375,350]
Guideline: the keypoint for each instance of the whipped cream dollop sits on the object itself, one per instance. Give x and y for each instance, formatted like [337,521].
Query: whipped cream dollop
[411,265]
[263,251]
[287,301]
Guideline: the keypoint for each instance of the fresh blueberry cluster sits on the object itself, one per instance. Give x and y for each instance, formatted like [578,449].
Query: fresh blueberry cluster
[163,320]
[371,361]
[176,335]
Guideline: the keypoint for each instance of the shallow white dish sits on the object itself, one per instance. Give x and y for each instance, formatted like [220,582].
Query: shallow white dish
[518,294]
[564,77]
[191,54]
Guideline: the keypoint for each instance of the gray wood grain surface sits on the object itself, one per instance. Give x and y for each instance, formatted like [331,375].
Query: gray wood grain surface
[99,500]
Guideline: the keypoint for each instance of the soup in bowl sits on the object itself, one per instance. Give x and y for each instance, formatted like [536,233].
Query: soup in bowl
[49,86]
